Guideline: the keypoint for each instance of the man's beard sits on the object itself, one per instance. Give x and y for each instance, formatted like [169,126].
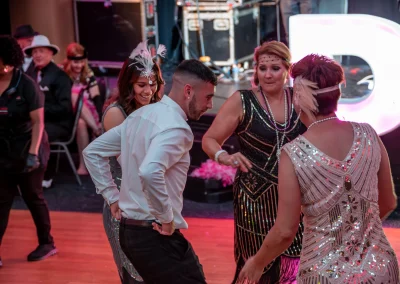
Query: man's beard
[194,114]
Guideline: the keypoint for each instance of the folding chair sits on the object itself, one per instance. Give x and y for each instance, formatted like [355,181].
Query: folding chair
[62,147]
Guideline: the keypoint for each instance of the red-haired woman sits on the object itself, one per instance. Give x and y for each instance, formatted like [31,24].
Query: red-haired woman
[76,66]
[264,120]
[338,174]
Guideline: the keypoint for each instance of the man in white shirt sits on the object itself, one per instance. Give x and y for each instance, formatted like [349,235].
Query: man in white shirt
[153,146]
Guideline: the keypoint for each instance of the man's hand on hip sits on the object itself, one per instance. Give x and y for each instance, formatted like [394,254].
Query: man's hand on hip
[166,229]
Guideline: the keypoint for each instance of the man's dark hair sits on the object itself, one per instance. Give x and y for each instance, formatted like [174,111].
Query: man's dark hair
[196,68]
[10,51]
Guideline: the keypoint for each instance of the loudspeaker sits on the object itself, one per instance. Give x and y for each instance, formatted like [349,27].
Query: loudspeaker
[110,30]
[230,34]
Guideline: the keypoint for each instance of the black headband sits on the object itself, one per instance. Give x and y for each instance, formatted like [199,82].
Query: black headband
[84,56]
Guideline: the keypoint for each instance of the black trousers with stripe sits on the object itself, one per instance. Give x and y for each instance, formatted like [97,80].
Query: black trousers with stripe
[161,259]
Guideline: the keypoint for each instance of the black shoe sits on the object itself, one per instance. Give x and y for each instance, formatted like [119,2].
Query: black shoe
[42,252]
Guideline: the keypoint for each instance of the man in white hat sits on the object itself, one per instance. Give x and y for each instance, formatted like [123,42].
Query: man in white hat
[56,85]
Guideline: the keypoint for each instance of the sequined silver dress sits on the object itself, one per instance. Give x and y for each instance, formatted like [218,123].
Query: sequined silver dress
[343,237]
[111,225]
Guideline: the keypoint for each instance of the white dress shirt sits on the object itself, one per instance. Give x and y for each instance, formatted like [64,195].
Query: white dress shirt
[153,145]
[27,62]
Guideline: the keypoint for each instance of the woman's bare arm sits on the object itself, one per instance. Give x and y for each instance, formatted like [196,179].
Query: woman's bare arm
[113,117]
[37,118]
[387,199]
[223,126]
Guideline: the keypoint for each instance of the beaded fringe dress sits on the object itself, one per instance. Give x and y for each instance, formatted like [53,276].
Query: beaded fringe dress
[344,242]
[111,226]
[256,192]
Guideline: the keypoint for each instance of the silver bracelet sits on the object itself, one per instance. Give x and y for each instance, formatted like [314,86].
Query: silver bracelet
[217,155]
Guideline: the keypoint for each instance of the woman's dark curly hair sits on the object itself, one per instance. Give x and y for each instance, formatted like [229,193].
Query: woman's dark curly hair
[128,76]
[10,51]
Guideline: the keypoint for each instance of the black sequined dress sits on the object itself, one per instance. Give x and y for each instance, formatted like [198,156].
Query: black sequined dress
[256,192]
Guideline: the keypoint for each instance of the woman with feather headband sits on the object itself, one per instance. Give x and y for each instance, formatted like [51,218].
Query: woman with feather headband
[139,83]
[338,174]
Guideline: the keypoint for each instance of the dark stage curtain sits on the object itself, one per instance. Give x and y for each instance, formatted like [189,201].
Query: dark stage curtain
[388,9]
[5,23]
[166,22]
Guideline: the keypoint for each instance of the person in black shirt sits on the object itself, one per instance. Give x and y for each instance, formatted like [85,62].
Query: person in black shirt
[24,35]
[56,86]
[24,147]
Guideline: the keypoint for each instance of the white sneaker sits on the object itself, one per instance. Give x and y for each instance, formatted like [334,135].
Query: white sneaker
[47,183]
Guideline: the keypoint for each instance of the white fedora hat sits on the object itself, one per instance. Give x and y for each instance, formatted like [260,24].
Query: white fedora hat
[41,41]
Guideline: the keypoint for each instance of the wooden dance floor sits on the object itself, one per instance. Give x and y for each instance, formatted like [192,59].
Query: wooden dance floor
[85,256]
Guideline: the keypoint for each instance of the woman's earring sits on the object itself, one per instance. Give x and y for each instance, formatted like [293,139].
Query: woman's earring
[6,69]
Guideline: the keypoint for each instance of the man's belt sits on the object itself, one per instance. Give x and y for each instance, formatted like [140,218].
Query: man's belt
[139,223]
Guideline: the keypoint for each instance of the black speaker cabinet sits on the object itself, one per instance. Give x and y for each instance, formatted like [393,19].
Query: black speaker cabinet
[233,3]
[230,34]
[110,30]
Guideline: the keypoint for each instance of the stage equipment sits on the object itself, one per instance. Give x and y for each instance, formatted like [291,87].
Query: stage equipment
[230,33]
[232,3]
[110,32]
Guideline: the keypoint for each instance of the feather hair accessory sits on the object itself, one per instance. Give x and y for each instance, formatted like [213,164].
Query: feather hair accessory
[304,95]
[141,55]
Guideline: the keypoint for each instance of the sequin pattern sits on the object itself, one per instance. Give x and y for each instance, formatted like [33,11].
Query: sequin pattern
[343,237]
[255,192]
[111,225]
